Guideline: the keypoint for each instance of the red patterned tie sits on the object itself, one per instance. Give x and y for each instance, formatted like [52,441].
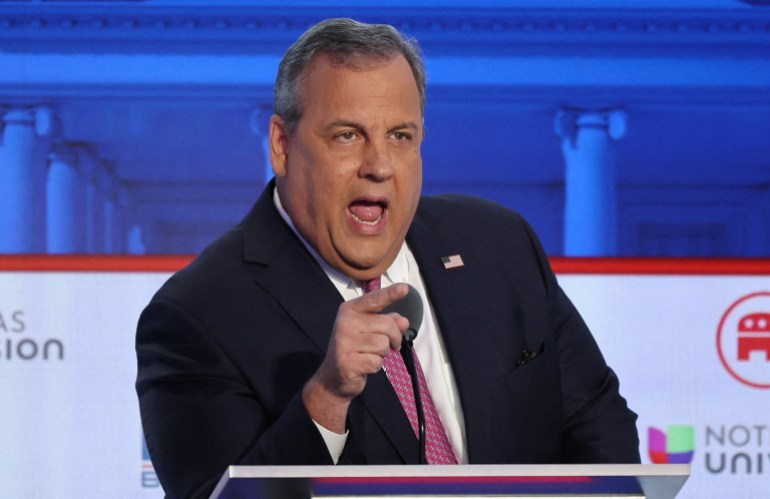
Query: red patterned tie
[437,447]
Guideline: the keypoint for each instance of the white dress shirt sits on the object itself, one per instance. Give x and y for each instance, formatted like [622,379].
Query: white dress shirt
[428,345]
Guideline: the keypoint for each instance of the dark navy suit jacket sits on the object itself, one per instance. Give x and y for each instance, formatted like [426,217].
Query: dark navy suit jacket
[226,345]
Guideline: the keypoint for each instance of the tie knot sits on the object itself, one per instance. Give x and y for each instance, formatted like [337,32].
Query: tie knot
[371,285]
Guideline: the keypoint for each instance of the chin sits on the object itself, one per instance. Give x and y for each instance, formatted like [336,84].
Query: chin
[365,269]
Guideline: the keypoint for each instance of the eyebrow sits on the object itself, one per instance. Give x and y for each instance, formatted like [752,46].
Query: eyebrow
[407,124]
[344,123]
[358,126]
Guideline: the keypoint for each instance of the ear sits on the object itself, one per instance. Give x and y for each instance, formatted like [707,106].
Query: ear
[279,146]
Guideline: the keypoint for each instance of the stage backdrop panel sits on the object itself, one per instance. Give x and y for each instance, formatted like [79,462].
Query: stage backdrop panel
[690,342]
[660,335]
[67,368]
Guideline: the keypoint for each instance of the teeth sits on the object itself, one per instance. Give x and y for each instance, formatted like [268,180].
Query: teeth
[366,222]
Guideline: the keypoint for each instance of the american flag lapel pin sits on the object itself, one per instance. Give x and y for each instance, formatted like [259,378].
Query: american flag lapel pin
[452,261]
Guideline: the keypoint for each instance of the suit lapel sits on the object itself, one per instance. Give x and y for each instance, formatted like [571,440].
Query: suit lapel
[299,285]
[289,273]
[456,297]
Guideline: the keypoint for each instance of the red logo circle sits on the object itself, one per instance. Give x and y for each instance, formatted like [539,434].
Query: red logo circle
[743,340]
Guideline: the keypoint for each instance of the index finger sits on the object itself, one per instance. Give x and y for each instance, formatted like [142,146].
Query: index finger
[375,301]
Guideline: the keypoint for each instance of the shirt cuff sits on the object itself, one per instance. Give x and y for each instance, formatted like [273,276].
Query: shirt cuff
[335,442]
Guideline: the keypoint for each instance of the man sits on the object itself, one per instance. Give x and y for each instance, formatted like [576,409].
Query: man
[266,349]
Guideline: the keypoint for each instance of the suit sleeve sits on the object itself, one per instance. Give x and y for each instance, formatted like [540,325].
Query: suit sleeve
[598,426]
[199,413]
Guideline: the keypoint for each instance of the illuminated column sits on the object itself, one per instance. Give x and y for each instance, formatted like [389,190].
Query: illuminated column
[23,180]
[590,215]
[134,238]
[121,234]
[136,243]
[109,225]
[113,218]
[66,193]
[260,126]
[97,185]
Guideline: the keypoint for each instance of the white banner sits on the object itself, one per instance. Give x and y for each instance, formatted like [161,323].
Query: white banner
[692,354]
[659,333]
[71,424]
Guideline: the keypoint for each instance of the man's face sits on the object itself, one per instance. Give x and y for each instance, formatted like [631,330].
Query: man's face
[350,174]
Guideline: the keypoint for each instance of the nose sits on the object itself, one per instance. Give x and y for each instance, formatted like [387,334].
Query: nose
[377,164]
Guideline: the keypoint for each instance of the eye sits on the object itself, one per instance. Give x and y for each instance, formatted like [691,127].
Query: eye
[402,136]
[347,136]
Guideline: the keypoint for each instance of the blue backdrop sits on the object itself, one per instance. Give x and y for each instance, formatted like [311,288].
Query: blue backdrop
[139,127]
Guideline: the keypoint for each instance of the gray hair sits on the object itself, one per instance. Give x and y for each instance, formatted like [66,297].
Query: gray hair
[343,40]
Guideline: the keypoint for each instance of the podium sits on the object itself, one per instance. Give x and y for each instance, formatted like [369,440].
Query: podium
[659,481]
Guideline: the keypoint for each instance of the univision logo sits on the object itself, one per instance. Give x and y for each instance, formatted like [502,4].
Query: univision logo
[16,346]
[674,446]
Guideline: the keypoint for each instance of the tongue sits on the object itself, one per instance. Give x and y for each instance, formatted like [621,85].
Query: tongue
[366,211]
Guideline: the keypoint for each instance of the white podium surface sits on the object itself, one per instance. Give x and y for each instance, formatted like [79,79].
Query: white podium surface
[520,481]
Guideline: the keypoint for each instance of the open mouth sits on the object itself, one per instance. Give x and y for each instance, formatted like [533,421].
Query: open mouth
[367,212]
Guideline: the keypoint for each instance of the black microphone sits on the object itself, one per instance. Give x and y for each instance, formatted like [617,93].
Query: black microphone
[410,307]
